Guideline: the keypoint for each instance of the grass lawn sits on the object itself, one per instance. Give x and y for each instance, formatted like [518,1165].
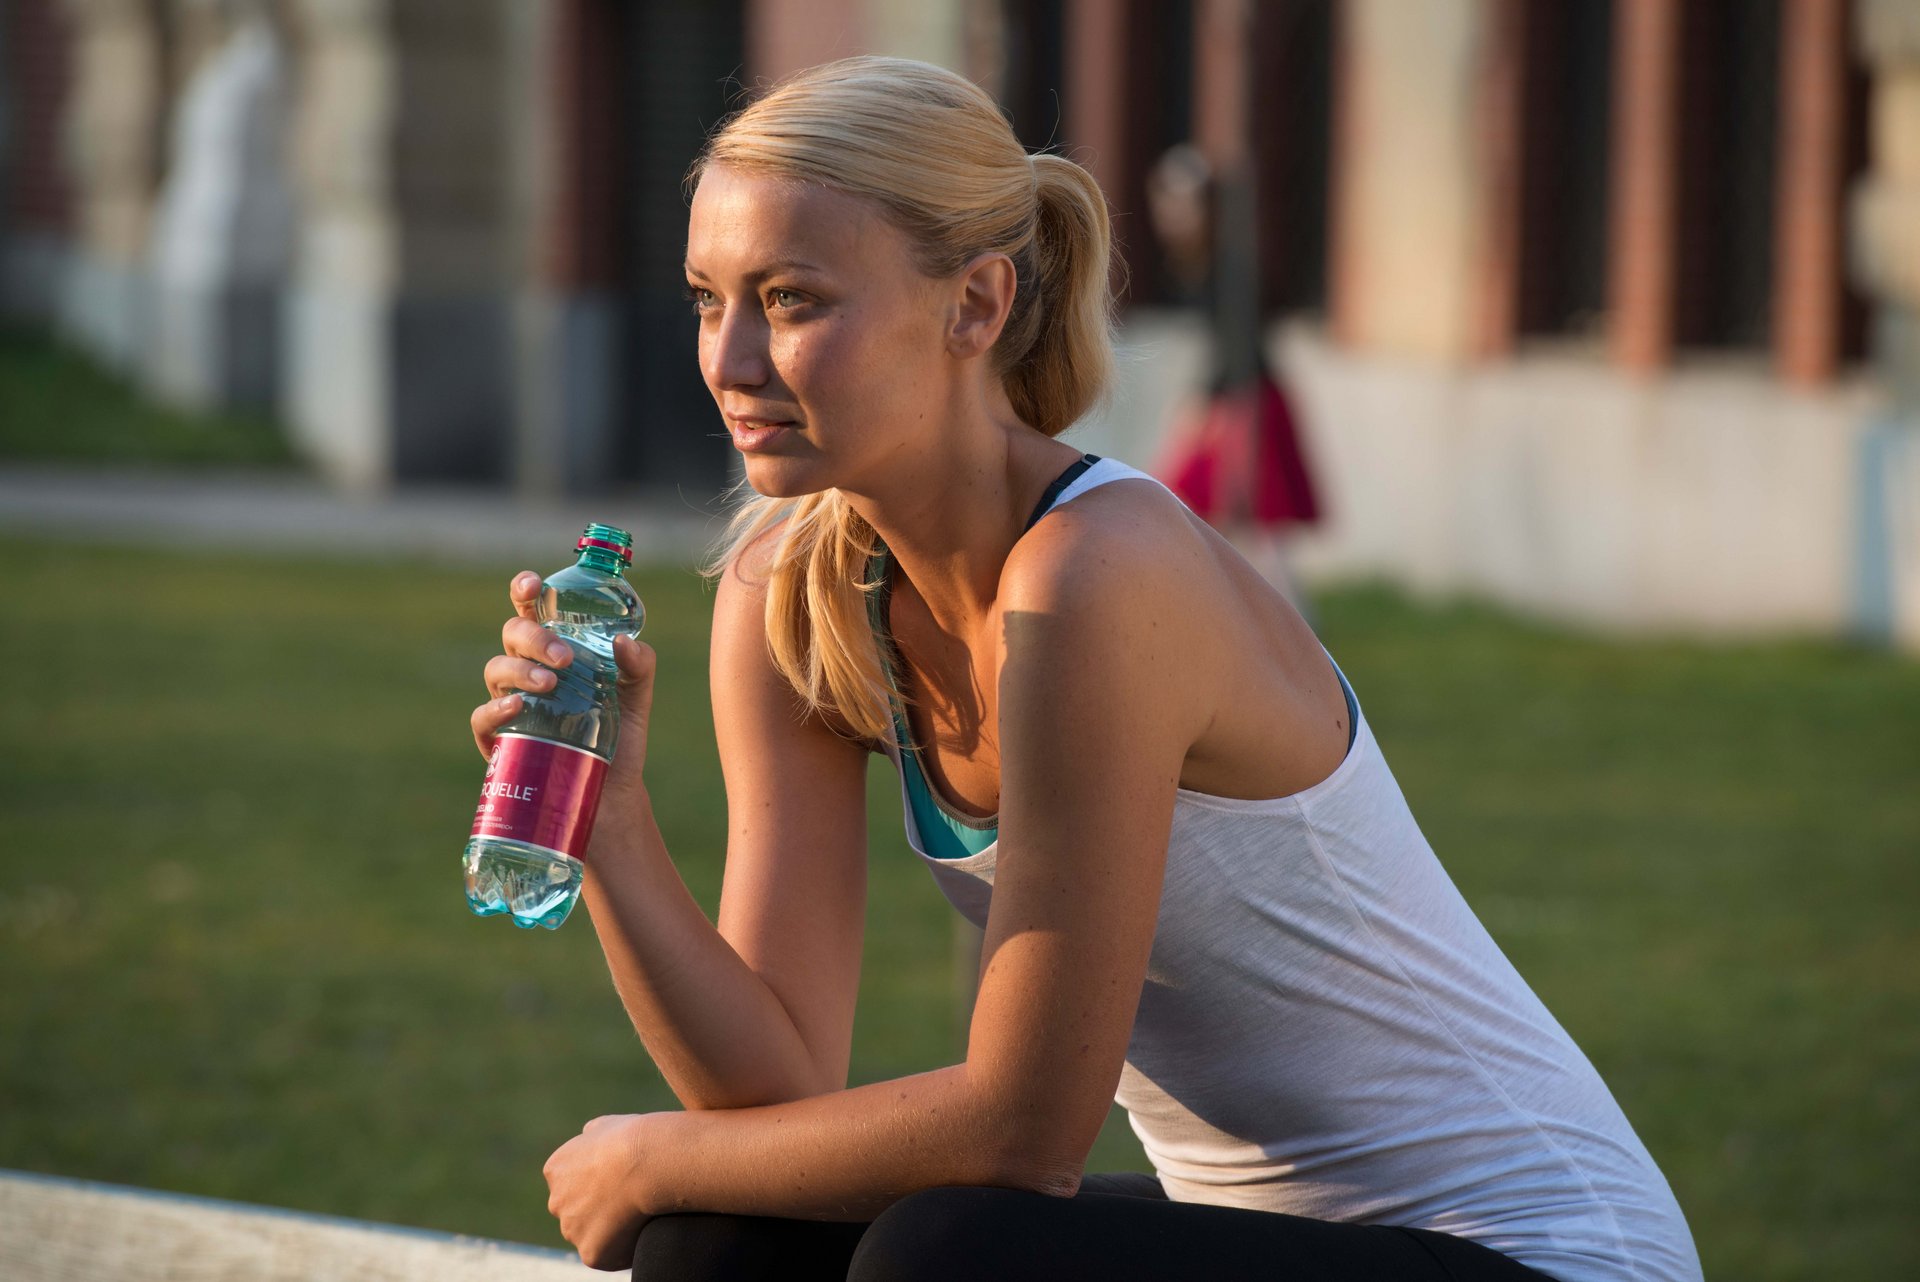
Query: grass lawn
[234,792]
[56,406]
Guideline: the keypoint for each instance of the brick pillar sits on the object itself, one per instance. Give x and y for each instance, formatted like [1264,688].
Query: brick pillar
[1502,104]
[1222,92]
[1807,290]
[36,56]
[1095,126]
[1644,209]
[982,36]
[784,36]
[568,118]
[1095,75]
[1349,129]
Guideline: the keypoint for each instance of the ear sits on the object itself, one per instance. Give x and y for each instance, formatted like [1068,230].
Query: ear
[983,295]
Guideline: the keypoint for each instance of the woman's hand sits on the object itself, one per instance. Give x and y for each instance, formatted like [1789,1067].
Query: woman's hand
[532,653]
[596,1189]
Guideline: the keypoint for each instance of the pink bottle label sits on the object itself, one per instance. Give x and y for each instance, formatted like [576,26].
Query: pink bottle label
[540,792]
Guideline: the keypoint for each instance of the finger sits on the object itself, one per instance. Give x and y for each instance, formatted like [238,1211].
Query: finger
[505,674]
[489,717]
[524,592]
[528,640]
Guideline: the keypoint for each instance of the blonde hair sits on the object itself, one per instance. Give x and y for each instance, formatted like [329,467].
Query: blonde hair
[934,152]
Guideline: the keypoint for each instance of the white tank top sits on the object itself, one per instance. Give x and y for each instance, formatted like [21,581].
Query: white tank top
[1327,1030]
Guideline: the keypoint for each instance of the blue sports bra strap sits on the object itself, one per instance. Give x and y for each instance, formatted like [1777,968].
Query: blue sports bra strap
[1060,483]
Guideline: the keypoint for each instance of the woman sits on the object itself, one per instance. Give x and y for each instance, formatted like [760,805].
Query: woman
[1123,753]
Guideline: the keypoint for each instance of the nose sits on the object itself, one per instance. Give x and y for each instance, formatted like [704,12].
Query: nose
[733,350]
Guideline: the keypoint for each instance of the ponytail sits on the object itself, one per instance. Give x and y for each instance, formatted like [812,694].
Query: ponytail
[1061,358]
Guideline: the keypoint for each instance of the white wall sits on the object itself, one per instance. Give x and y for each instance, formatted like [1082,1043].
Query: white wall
[1711,500]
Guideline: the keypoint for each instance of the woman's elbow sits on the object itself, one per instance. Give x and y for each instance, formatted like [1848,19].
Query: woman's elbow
[1050,1179]
[1036,1156]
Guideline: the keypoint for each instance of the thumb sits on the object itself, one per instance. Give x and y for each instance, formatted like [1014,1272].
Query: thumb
[636,661]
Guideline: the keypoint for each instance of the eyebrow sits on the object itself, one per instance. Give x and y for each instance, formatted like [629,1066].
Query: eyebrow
[784,265]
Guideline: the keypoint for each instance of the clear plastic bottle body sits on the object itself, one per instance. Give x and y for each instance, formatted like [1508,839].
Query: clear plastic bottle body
[588,605]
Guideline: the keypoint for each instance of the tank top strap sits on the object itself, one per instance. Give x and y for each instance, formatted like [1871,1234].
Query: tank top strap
[1089,473]
[1074,472]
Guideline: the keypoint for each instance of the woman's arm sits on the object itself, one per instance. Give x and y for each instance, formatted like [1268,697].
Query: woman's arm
[761,1009]
[1104,685]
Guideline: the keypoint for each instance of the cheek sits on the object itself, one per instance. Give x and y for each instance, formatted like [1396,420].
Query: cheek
[866,365]
[824,365]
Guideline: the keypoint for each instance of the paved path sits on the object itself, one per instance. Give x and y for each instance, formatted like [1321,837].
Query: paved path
[288,512]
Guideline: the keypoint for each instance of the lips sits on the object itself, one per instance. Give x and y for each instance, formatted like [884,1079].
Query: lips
[750,435]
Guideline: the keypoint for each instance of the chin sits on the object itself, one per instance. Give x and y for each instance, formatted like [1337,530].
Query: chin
[779,478]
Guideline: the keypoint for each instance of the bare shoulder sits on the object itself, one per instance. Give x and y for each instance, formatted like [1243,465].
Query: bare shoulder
[1114,591]
[1127,543]
[747,567]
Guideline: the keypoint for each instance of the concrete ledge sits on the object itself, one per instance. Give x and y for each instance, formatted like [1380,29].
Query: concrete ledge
[60,1230]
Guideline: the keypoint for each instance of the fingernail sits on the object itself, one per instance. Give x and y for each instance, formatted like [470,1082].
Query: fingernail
[505,701]
[556,651]
[539,677]
[524,582]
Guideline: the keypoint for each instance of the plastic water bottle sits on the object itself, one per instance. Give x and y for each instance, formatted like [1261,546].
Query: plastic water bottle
[543,781]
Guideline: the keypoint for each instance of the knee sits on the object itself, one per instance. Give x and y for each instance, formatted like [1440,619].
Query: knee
[945,1235]
[687,1248]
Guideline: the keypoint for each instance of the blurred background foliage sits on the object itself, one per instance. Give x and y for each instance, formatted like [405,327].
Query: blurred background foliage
[62,407]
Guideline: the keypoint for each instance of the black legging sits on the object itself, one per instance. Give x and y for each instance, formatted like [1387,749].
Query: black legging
[1118,1227]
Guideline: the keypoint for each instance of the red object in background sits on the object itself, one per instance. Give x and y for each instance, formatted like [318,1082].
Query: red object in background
[1238,460]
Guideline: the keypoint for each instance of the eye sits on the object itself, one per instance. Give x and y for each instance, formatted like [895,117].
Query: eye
[784,298]
[701,298]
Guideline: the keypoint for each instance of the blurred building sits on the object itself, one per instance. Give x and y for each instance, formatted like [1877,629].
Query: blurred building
[1605,308]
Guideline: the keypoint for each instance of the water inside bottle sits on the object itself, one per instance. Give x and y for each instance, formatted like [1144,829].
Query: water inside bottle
[535,887]
[591,614]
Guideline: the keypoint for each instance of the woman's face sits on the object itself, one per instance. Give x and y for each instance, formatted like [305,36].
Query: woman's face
[821,340]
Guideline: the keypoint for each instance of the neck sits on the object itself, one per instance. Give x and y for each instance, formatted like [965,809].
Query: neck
[951,519]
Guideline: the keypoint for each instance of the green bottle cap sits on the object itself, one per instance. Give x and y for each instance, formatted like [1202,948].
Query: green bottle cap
[610,538]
